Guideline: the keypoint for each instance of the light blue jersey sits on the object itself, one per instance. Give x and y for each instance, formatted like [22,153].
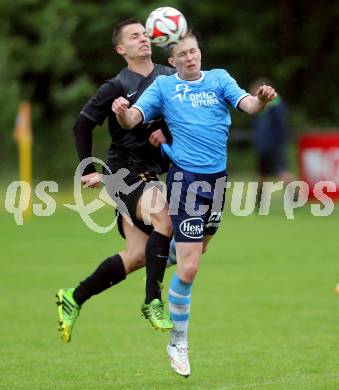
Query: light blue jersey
[198,117]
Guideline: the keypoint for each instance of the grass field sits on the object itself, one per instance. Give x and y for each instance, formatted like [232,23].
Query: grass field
[264,315]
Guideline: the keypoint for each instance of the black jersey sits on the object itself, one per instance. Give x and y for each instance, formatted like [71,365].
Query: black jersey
[129,148]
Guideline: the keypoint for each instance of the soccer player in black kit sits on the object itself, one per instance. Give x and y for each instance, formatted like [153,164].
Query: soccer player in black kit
[145,244]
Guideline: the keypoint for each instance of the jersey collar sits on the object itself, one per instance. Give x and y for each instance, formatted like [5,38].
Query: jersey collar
[191,81]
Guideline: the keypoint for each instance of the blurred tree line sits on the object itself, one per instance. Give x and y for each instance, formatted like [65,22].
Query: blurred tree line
[57,52]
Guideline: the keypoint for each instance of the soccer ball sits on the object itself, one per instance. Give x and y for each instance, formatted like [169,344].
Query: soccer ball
[165,25]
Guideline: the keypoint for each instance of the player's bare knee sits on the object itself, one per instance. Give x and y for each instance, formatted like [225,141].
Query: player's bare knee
[133,260]
[136,264]
[162,224]
[189,271]
[166,230]
[139,261]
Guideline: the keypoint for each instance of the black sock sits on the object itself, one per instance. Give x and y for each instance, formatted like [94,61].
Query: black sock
[157,249]
[111,271]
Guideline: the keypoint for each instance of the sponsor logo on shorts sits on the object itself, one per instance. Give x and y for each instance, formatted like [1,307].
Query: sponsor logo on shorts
[192,228]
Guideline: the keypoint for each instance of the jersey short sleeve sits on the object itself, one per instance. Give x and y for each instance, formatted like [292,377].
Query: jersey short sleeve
[231,91]
[99,106]
[150,102]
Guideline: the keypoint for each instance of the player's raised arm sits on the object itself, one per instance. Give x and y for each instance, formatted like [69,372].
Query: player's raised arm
[255,104]
[128,118]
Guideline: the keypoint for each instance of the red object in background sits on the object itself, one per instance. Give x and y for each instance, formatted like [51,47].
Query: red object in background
[319,160]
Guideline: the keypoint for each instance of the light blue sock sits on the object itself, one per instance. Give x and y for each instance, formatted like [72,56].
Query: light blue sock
[179,298]
[172,256]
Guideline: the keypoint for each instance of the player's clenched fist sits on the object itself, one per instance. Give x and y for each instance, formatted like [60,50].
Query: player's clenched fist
[266,93]
[120,105]
[157,138]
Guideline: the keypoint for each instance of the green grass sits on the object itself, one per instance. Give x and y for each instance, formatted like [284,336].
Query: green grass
[264,315]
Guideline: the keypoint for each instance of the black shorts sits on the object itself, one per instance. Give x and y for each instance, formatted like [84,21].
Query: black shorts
[130,200]
[147,229]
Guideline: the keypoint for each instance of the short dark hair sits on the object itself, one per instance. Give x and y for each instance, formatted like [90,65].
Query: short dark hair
[189,34]
[116,35]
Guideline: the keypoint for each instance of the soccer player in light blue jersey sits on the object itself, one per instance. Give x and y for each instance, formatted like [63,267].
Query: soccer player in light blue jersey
[195,104]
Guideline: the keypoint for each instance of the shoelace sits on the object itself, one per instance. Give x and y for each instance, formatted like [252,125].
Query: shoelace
[182,352]
[158,311]
[182,348]
[165,313]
